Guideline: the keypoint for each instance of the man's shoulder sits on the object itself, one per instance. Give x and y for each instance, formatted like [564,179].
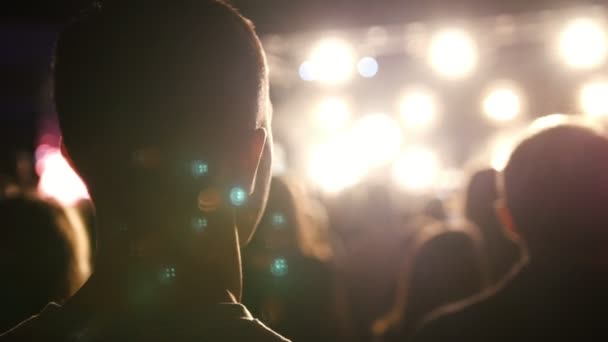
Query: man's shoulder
[34,326]
[226,322]
[477,316]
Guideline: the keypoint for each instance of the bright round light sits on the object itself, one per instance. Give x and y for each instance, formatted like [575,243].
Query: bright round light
[331,62]
[307,71]
[453,53]
[367,67]
[57,179]
[416,169]
[583,43]
[418,109]
[594,99]
[377,138]
[335,165]
[332,113]
[502,104]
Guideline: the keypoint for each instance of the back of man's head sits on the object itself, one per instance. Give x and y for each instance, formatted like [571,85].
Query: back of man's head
[164,111]
[556,188]
[141,73]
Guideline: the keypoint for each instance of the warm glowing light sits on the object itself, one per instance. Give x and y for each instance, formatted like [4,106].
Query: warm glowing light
[332,113]
[594,99]
[453,53]
[548,121]
[335,165]
[418,109]
[377,138]
[332,61]
[367,67]
[57,179]
[416,169]
[502,104]
[500,154]
[583,43]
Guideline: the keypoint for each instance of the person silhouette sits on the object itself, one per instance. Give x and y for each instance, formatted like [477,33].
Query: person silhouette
[165,114]
[552,195]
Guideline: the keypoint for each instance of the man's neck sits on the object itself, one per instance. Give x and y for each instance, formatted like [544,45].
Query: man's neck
[124,281]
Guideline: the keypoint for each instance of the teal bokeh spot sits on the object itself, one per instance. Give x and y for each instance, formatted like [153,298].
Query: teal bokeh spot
[167,275]
[199,224]
[238,196]
[278,220]
[279,268]
[199,168]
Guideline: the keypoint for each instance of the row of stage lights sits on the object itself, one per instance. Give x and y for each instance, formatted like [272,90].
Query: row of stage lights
[358,147]
[452,53]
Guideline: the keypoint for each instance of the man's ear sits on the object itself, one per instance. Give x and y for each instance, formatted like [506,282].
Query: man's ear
[506,219]
[253,157]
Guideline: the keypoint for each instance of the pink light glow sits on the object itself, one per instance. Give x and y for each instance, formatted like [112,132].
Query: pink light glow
[57,179]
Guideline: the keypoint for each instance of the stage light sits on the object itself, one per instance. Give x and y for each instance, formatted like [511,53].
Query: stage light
[57,179]
[367,67]
[332,113]
[377,139]
[502,104]
[331,62]
[307,71]
[418,109]
[335,165]
[453,53]
[583,43]
[416,169]
[594,99]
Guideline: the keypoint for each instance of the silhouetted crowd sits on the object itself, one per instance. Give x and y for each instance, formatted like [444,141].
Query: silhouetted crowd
[165,113]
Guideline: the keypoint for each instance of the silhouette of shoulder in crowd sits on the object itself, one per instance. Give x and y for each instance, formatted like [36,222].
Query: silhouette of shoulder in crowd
[286,268]
[165,114]
[554,192]
[443,262]
[502,251]
[42,256]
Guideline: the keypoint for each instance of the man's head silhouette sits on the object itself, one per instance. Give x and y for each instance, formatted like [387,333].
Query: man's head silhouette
[165,113]
[555,187]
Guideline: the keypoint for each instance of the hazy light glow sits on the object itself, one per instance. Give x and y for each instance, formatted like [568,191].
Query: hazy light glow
[453,53]
[367,67]
[500,154]
[594,99]
[548,121]
[377,139]
[335,165]
[332,61]
[418,109]
[417,169]
[502,104]
[583,43]
[332,113]
[57,179]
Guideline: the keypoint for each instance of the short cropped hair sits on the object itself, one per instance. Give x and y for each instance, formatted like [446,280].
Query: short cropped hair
[556,187]
[129,70]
